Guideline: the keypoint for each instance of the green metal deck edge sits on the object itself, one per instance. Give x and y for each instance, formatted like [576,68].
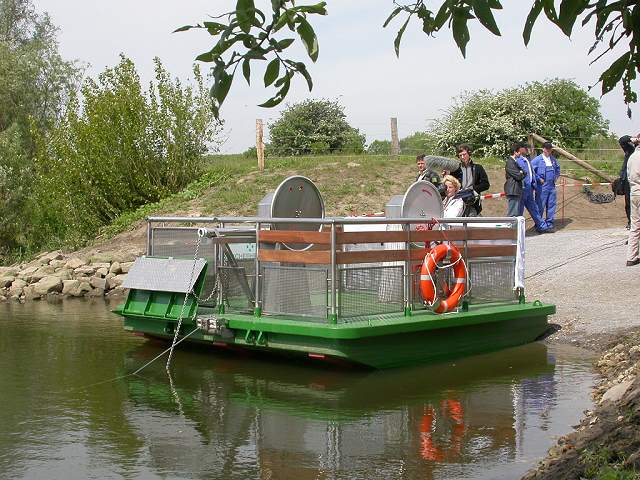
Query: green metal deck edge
[389,325]
[380,325]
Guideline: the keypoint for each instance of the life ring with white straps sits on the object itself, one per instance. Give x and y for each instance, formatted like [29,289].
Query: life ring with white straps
[428,283]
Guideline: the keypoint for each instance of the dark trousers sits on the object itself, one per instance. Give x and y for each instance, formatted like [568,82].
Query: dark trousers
[627,200]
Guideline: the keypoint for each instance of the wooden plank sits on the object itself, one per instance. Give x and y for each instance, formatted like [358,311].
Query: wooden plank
[291,256]
[428,235]
[371,237]
[374,256]
[479,251]
[457,234]
[295,236]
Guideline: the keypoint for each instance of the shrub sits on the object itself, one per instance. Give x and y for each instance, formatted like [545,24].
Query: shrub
[314,127]
[490,121]
[122,148]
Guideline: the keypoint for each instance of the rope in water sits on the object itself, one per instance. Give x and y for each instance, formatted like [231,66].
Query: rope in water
[120,377]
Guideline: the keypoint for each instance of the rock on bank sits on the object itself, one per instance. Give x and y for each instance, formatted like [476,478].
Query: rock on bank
[55,274]
[606,444]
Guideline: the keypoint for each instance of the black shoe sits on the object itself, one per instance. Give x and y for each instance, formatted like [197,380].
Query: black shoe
[631,263]
[628,227]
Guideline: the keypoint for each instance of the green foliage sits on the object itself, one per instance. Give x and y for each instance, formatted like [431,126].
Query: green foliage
[256,38]
[314,127]
[379,147]
[171,203]
[35,85]
[605,464]
[615,21]
[251,152]
[123,148]
[418,143]
[490,121]
[414,144]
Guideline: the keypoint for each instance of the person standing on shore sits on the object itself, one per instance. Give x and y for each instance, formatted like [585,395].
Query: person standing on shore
[628,145]
[530,183]
[633,178]
[471,177]
[546,167]
[425,173]
[513,175]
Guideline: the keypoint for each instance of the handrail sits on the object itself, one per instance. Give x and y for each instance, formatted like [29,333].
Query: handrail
[336,220]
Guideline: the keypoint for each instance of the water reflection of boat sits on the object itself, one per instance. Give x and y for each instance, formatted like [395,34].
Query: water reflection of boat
[275,420]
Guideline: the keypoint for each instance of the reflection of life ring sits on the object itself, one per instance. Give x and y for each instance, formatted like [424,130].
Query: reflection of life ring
[428,449]
[427,278]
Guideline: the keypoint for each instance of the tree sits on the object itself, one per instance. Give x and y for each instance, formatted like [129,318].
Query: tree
[489,121]
[314,127]
[36,83]
[248,35]
[120,148]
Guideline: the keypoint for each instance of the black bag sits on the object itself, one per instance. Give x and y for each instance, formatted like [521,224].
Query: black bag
[467,195]
[617,186]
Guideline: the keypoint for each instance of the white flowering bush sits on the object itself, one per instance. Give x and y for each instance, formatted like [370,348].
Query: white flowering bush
[491,121]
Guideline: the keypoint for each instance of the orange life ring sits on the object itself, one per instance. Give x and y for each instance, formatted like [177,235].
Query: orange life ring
[429,450]
[427,278]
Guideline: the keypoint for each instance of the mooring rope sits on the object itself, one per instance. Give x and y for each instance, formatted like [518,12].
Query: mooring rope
[120,377]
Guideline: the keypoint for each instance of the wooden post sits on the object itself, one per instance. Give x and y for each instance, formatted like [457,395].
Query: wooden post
[573,158]
[532,147]
[259,144]
[564,184]
[395,142]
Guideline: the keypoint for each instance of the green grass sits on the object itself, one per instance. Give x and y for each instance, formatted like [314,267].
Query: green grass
[604,464]
[350,184]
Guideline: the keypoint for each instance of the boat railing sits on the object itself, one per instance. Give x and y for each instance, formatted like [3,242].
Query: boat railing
[340,269]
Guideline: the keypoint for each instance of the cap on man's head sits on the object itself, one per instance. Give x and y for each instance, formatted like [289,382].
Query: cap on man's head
[548,145]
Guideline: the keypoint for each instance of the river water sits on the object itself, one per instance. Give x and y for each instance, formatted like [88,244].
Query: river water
[230,416]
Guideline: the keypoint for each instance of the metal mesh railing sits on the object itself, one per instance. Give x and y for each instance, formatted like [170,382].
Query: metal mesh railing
[300,291]
[489,281]
[492,281]
[238,287]
[180,242]
[370,291]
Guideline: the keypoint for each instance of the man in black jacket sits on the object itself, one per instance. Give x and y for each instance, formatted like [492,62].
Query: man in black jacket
[513,184]
[471,177]
[628,145]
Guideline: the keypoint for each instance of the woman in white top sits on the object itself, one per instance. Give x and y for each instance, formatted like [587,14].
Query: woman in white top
[453,207]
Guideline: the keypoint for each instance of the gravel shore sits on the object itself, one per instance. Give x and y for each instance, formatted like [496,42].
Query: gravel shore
[584,273]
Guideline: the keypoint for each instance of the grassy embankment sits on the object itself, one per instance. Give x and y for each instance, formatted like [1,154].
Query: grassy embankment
[350,184]
[232,185]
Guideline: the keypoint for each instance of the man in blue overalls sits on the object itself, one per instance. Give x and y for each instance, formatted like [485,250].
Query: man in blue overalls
[530,182]
[546,167]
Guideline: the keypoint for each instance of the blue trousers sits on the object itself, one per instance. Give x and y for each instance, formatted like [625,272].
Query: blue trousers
[527,201]
[546,200]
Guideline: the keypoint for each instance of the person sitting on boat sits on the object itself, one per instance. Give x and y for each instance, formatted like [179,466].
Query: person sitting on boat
[453,205]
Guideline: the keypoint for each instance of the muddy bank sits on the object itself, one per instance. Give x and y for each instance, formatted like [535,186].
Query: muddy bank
[606,443]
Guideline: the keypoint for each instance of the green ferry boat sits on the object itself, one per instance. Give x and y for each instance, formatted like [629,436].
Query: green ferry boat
[341,290]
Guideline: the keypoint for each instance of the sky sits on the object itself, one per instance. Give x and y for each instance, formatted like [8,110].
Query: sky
[357,63]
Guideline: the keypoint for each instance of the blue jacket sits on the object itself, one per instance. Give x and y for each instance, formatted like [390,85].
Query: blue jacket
[528,182]
[548,174]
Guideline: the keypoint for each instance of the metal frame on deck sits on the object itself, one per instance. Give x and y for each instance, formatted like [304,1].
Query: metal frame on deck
[335,248]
